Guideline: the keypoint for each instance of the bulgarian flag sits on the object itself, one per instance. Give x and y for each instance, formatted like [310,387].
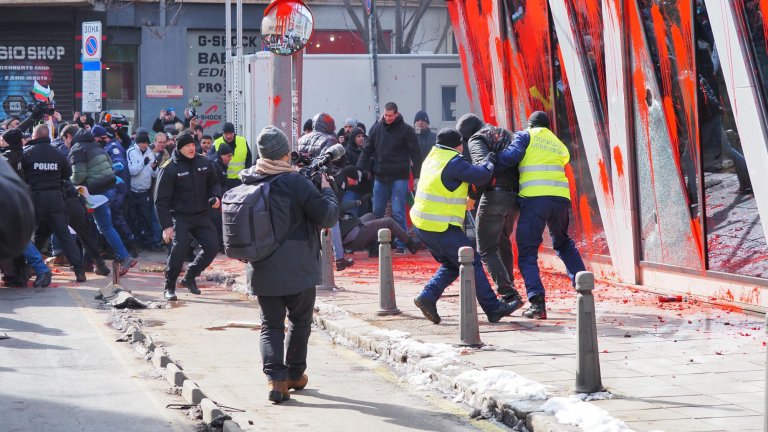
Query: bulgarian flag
[41,93]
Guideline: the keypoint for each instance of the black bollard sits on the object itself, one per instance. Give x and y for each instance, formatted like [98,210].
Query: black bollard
[588,373]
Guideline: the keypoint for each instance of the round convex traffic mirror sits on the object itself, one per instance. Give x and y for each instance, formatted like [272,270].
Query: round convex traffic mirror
[286,27]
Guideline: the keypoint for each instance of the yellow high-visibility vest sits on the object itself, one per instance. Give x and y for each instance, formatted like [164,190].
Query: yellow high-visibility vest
[237,163]
[435,207]
[542,170]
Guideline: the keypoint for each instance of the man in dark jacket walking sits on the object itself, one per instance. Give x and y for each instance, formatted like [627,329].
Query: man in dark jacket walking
[286,280]
[186,188]
[394,148]
[91,167]
[426,137]
[496,212]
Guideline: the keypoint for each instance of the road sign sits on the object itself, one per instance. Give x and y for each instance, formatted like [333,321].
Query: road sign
[91,40]
[91,87]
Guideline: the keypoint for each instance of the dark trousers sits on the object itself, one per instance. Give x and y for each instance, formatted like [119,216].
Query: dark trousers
[536,214]
[291,365]
[50,209]
[144,231]
[80,223]
[493,210]
[117,206]
[185,227]
[369,232]
[444,247]
[215,215]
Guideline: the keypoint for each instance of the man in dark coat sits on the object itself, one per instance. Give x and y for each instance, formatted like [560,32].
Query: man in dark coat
[394,149]
[426,137]
[287,279]
[186,188]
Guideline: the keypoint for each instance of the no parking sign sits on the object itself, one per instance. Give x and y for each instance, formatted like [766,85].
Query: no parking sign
[91,40]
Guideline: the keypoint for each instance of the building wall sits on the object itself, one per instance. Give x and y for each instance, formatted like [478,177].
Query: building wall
[664,167]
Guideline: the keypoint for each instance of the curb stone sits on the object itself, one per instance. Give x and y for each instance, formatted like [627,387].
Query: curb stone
[509,413]
[212,414]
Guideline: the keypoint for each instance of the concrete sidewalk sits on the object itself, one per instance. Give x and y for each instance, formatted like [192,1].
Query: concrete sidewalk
[679,366]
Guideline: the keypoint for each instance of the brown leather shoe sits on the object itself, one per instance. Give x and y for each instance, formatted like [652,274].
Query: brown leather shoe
[278,391]
[298,384]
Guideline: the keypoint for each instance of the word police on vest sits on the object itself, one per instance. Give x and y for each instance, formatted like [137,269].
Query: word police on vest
[48,166]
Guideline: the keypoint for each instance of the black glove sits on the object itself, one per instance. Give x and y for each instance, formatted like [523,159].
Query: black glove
[146,160]
[489,161]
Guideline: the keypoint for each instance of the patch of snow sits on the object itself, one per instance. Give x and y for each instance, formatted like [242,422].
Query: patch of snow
[503,384]
[330,311]
[391,334]
[586,397]
[420,380]
[573,411]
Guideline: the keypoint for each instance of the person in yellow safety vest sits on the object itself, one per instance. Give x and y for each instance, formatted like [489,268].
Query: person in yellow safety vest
[438,220]
[241,156]
[544,201]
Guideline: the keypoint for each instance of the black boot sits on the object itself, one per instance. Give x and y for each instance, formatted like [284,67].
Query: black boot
[373,250]
[511,296]
[43,280]
[101,268]
[413,246]
[133,250]
[188,282]
[538,309]
[170,290]
[80,275]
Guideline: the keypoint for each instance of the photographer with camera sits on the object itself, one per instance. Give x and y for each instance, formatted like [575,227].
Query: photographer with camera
[186,188]
[286,279]
[167,117]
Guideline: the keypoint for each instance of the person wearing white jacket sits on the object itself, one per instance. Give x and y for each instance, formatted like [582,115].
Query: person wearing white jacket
[143,167]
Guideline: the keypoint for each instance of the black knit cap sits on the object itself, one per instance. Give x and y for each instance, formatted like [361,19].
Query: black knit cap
[229,127]
[538,119]
[449,137]
[13,138]
[184,139]
[142,137]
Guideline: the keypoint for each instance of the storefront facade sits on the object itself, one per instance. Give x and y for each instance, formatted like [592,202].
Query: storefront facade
[664,109]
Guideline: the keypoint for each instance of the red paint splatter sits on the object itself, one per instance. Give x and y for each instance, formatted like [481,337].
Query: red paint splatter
[605,182]
[585,214]
[618,161]
[276,101]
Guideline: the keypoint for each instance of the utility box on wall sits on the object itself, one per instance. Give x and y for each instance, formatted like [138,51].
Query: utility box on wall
[340,85]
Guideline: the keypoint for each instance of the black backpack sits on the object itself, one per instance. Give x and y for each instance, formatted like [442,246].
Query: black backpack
[247,224]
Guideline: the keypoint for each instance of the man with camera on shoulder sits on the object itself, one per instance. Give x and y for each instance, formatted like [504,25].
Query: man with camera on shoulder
[286,280]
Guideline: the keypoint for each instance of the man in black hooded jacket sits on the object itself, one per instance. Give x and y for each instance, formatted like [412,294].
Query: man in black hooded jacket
[496,212]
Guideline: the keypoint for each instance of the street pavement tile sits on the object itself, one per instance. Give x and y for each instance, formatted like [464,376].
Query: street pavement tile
[615,369]
[713,411]
[621,404]
[660,366]
[747,376]
[673,425]
[650,392]
[741,424]
[626,384]
[740,398]
[688,400]
[650,414]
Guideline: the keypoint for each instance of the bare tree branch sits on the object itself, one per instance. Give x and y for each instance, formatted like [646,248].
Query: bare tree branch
[417,16]
[443,37]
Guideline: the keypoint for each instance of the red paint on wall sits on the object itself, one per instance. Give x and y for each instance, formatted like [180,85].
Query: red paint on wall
[585,215]
[618,160]
[461,40]
[605,182]
[276,101]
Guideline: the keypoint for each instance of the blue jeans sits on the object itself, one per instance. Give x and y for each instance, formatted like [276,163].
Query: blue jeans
[397,192]
[33,257]
[147,233]
[338,246]
[445,246]
[351,196]
[103,217]
[536,214]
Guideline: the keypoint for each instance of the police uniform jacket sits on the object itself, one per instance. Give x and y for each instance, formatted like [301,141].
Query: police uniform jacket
[184,187]
[44,166]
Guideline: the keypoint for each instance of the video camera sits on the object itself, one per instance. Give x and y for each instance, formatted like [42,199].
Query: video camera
[39,108]
[313,168]
[194,103]
[119,122]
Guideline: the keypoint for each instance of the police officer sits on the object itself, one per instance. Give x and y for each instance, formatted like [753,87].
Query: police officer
[186,188]
[241,154]
[545,199]
[438,219]
[45,170]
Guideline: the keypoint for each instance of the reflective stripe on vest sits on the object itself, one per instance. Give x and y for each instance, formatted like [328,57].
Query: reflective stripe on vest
[435,207]
[542,170]
[237,163]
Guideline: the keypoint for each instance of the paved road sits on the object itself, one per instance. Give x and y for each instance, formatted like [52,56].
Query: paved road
[62,371]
